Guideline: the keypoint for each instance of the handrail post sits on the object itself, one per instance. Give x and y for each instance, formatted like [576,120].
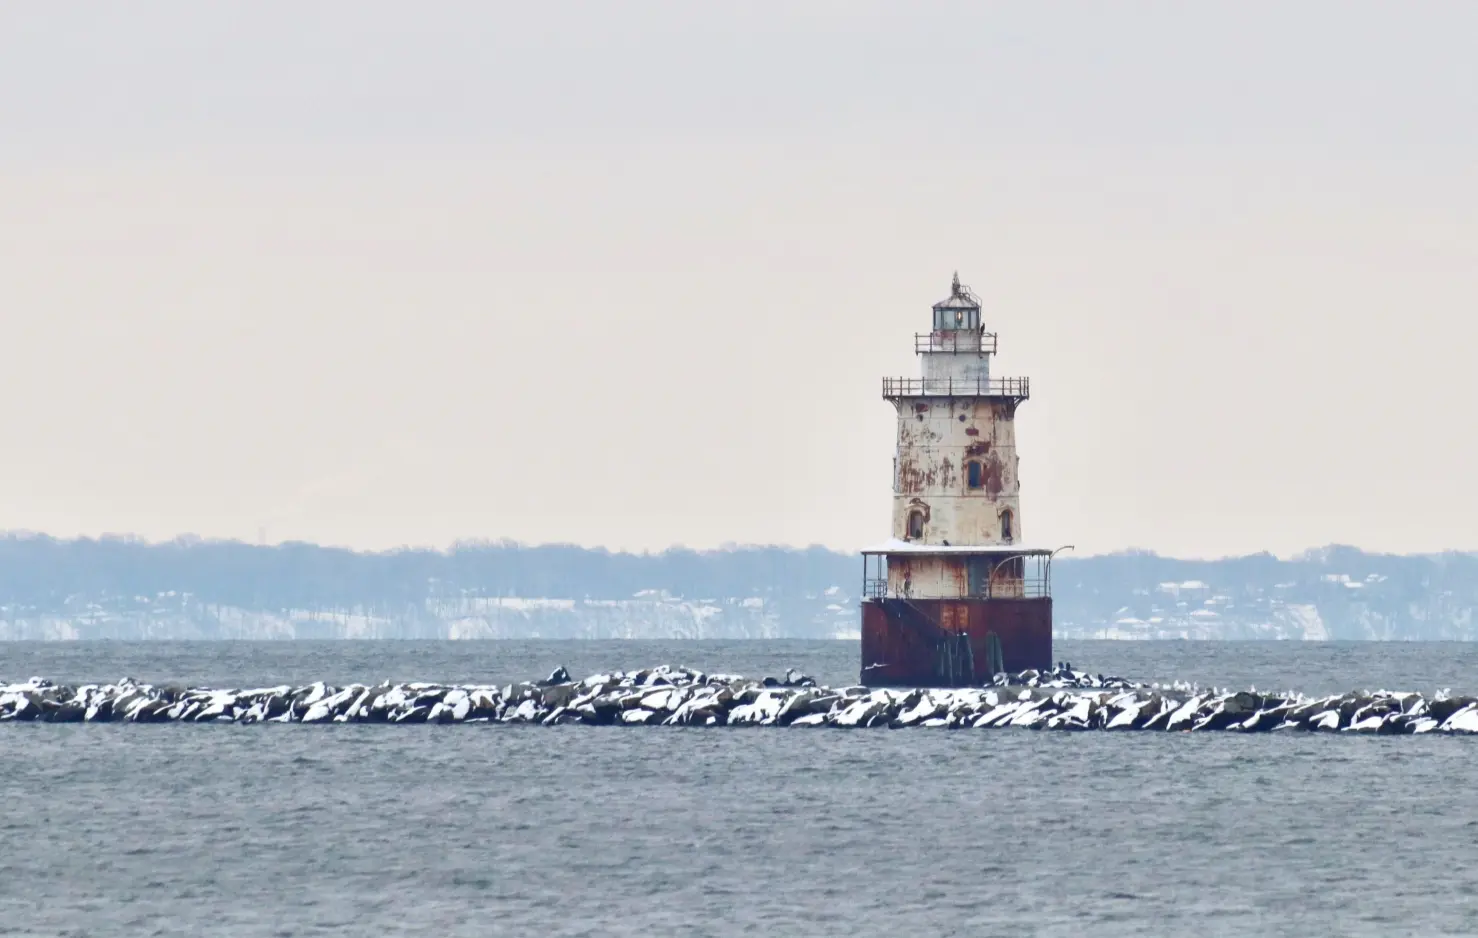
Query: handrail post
[1050,557]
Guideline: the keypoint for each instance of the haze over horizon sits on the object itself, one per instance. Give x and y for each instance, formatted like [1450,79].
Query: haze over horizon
[1071,552]
[353,274]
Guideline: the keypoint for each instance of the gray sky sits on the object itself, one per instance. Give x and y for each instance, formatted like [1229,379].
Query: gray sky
[629,274]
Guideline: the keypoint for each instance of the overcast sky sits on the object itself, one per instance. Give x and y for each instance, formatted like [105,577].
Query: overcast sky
[629,274]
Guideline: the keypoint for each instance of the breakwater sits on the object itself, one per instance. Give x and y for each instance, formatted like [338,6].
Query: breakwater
[1060,699]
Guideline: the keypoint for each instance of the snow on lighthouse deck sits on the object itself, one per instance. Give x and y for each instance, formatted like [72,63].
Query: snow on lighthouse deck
[895,546]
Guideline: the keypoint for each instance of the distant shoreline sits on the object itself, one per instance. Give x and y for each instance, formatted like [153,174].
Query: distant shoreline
[126,589]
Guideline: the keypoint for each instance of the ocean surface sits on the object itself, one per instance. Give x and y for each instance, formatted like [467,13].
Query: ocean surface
[290,830]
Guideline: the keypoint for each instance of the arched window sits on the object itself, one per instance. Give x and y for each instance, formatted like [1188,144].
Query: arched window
[915,524]
[1006,526]
[974,475]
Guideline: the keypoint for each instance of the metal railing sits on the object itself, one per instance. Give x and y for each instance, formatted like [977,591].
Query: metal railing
[950,341]
[1018,576]
[1015,388]
[1031,587]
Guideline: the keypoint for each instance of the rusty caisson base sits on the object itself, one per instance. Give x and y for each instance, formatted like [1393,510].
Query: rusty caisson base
[952,642]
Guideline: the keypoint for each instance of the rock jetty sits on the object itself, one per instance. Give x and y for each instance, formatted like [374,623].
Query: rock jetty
[1060,699]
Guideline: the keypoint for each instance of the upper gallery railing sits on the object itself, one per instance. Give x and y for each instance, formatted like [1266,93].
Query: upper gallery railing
[1015,388]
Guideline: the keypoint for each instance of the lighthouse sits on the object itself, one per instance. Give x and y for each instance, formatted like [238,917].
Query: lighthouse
[955,595]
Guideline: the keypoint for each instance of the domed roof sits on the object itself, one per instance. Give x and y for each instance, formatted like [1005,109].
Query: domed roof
[959,297]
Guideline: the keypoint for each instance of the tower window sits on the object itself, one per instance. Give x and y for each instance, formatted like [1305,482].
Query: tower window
[915,525]
[1006,526]
[974,475]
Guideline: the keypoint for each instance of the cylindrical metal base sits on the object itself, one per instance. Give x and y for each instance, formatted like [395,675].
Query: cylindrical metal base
[952,642]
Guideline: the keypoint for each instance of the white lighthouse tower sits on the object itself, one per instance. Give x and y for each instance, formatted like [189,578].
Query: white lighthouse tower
[955,480]
[953,596]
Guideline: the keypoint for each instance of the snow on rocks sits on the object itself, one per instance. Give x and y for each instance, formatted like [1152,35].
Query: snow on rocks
[1059,699]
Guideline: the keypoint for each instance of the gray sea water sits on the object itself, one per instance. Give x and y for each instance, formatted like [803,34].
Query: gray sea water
[276,830]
